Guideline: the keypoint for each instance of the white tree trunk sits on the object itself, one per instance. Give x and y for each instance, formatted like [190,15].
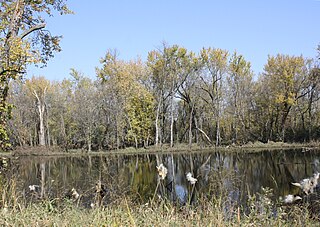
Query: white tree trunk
[157,120]
[171,124]
[89,142]
[190,127]
[42,140]
[41,109]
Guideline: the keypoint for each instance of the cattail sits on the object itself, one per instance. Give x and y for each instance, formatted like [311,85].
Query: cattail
[191,179]
[162,171]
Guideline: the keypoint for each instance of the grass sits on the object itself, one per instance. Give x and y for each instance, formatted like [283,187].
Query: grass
[161,213]
[209,210]
[165,148]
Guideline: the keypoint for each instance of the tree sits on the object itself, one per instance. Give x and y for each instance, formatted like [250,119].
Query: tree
[213,72]
[23,124]
[61,122]
[240,96]
[287,77]
[169,69]
[85,108]
[38,87]
[127,101]
[187,92]
[18,48]
[117,79]
[140,116]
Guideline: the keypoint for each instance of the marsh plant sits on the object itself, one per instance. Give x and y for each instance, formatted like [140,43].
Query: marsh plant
[9,197]
[161,213]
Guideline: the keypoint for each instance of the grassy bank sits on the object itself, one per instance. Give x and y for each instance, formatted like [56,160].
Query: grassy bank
[249,147]
[214,210]
[161,213]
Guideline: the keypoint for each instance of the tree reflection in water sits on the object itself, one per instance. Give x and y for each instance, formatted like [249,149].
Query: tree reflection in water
[234,175]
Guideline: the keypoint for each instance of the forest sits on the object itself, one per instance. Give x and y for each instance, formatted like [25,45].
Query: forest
[176,96]
[211,97]
[173,98]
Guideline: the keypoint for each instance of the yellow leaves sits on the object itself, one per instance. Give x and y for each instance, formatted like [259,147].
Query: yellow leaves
[284,66]
[284,74]
[17,55]
[287,98]
[217,58]
[120,75]
[182,52]
[280,98]
[140,108]
[239,66]
[38,86]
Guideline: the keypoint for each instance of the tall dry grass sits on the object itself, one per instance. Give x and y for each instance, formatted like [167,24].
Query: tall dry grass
[161,213]
[214,209]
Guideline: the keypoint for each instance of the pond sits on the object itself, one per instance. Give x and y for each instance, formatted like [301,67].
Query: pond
[236,175]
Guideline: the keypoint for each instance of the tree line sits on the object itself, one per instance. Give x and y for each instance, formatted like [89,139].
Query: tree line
[176,96]
[23,41]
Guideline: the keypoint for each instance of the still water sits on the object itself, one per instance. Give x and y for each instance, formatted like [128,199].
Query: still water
[236,175]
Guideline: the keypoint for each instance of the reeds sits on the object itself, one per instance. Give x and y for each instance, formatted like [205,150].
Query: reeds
[160,213]
[9,196]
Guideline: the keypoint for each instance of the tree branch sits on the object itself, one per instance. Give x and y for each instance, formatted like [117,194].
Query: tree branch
[32,29]
[10,70]
[205,135]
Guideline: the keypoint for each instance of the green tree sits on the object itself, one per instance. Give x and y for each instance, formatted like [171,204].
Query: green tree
[140,116]
[117,80]
[127,100]
[18,19]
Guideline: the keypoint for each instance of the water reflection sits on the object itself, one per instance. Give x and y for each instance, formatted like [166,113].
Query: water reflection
[235,175]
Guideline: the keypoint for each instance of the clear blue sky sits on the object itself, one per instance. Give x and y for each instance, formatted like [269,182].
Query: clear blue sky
[255,28]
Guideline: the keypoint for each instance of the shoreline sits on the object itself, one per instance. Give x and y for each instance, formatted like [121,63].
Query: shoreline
[165,149]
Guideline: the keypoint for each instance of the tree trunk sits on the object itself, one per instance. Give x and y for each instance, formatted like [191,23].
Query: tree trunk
[41,110]
[283,122]
[89,143]
[157,121]
[218,136]
[43,178]
[42,140]
[64,135]
[48,136]
[171,124]
[205,135]
[218,87]
[196,126]
[310,116]
[190,127]
[117,133]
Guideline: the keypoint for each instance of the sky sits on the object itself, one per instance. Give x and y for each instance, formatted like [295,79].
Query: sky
[253,28]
